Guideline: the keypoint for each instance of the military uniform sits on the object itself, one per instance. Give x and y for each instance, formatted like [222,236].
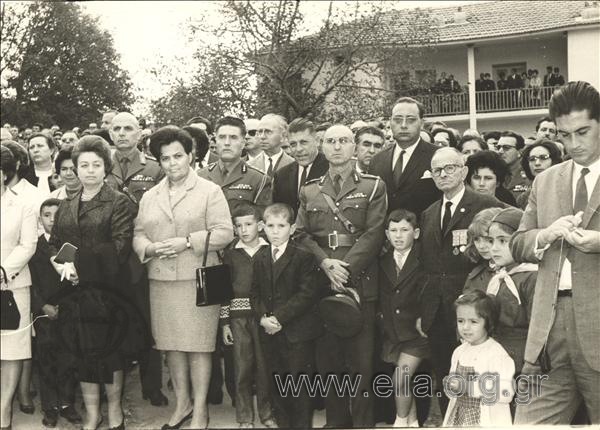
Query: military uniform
[142,174]
[362,201]
[243,183]
[517,183]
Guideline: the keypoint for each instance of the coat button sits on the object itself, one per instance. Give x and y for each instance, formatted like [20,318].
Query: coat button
[397,291]
[337,204]
[397,311]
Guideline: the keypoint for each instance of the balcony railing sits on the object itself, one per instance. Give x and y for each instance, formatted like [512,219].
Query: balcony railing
[486,101]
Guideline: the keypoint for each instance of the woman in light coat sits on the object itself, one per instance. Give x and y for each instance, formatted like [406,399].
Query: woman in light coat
[170,232]
[18,241]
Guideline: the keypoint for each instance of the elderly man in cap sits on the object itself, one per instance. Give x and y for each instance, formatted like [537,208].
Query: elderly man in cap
[341,220]
[133,174]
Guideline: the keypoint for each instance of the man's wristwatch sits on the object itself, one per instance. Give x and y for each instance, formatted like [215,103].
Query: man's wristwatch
[188,244]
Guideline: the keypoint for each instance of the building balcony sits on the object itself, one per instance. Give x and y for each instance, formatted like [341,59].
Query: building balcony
[486,101]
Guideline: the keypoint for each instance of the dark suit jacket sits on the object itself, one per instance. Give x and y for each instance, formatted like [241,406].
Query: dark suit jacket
[413,192]
[45,282]
[514,81]
[398,296]
[285,181]
[102,231]
[542,211]
[288,290]
[447,272]
[32,179]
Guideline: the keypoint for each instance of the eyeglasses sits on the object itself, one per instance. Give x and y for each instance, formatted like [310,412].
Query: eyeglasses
[448,168]
[251,133]
[505,148]
[264,131]
[534,158]
[341,140]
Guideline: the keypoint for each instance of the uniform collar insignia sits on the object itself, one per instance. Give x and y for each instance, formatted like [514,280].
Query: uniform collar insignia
[241,187]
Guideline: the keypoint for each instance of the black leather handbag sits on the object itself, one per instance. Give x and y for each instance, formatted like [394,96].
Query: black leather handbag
[213,284]
[10,316]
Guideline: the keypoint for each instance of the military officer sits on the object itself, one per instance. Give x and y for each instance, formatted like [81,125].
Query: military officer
[341,220]
[133,174]
[239,181]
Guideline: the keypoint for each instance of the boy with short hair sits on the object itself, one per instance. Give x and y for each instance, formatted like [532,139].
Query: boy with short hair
[57,384]
[284,296]
[401,279]
[240,327]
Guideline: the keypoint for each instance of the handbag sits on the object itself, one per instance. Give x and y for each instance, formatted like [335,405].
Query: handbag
[213,284]
[10,316]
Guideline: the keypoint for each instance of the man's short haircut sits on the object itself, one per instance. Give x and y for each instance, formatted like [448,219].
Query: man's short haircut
[246,209]
[487,159]
[200,138]
[50,202]
[323,126]
[165,136]
[544,119]
[398,215]
[279,209]
[484,305]
[468,138]
[412,101]
[20,155]
[516,136]
[232,121]
[491,135]
[301,124]
[575,96]
[280,120]
[98,146]
[369,130]
[50,142]
[63,154]
[37,124]
[197,119]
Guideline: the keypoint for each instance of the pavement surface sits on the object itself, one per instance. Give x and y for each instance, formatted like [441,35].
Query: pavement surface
[140,414]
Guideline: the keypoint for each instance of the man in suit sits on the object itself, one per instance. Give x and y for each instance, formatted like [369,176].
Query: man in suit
[562,234]
[346,241]
[272,132]
[133,174]
[509,147]
[252,147]
[309,164]
[239,181]
[405,166]
[444,237]
[369,142]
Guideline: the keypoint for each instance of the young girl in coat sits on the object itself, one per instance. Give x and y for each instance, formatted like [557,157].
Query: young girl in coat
[480,381]
[478,250]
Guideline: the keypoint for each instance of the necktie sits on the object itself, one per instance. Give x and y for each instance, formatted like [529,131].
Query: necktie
[302,178]
[336,184]
[399,263]
[581,195]
[447,216]
[398,167]
[225,173]
[124,166]
[275,252]
[270,169]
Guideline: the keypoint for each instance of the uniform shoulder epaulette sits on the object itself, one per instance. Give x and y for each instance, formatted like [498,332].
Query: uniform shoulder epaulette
[211,166]
[255,168]
[313,181]
[367,175]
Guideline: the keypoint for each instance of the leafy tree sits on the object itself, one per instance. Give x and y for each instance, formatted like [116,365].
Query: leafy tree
[60,66]
[344,64]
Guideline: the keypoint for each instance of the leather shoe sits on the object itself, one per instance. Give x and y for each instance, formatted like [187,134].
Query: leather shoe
[120,426]
[27,409]
[157,398]
[179,424]
[70,414]
[50,418]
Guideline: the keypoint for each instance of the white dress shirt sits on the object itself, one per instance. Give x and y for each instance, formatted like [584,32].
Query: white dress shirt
[250,250]
[281,249]
[455,201]
[274,159]
[407,154]
[400,258]
[300,170]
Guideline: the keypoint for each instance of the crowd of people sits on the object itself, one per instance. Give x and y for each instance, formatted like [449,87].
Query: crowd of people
[399,248]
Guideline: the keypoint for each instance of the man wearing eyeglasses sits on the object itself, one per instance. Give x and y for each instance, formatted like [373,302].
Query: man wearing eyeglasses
[444,237]
[252,147]
[509,147]
[404,167]
[340,220]
[272,132]
[369,142]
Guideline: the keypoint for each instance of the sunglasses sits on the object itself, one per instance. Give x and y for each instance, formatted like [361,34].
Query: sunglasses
[251,133]
[534,158]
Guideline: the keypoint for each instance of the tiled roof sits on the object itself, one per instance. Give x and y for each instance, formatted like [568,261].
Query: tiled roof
[483,20]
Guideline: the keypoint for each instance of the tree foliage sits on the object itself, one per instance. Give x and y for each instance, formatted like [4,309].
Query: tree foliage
[58,66]
[300,72]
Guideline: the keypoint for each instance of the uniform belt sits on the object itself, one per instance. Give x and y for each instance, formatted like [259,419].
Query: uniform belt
[565,293]
[335,240]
